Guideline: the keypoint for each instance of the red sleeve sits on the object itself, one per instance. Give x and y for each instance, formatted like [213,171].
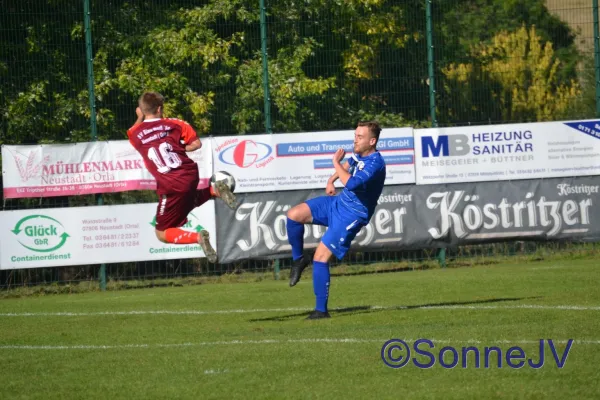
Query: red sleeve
[188,134]
[130,132]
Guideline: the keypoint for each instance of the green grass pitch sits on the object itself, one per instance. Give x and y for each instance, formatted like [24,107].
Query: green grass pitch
[250,340]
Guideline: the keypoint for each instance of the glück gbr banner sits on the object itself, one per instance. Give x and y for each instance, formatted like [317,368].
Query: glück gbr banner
[93,235]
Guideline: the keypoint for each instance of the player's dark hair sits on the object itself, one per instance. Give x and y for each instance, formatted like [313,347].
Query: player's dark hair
[374,128]
[150,101]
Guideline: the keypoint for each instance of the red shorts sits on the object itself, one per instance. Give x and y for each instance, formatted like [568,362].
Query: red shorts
[173,208]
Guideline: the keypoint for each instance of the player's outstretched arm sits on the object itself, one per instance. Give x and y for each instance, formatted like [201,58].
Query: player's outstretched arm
[140,116]
[330,189]
[193,146]
[341,170]
[369,170]
[336,176]
[140,119]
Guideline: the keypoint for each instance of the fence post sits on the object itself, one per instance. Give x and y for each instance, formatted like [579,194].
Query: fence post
[90,68]
[597,55]
[431,74]
[92,100]
[442,257]
[430,63]
[267,93]
[265,67]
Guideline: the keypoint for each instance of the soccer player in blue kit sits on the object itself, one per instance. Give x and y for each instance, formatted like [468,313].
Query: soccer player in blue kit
[363,177]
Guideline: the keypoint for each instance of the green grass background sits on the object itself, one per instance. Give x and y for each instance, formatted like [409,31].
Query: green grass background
[268,350]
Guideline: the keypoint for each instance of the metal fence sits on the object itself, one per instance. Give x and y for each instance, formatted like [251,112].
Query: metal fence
[71,71]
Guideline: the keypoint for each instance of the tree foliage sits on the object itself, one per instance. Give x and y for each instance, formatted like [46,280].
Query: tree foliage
[330,63]
[519,74]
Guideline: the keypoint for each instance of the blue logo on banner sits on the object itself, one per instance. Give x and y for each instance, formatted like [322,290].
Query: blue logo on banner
[330,147]
[389,160]
[446,145]
[591,128]
[399,160]
[325,163]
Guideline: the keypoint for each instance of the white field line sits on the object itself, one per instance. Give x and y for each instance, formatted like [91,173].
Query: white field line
[296,309]
[278,342]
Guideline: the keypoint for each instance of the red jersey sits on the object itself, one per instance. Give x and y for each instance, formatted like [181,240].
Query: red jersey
[161,143]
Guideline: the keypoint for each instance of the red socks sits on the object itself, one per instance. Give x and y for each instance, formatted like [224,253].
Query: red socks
[179,236]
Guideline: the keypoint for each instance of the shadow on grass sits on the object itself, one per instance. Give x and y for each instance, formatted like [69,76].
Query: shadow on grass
[348,311]
[381,271]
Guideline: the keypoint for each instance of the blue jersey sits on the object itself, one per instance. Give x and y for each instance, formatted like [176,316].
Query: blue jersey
[364,187]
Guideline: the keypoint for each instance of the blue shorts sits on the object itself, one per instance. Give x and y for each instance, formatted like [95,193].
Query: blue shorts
[342,225]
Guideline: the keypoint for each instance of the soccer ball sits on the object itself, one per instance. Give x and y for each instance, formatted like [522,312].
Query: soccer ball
[223,176]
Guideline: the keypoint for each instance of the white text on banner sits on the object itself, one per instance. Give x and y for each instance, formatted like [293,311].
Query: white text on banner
[507,152]
[262,163]
[83,168]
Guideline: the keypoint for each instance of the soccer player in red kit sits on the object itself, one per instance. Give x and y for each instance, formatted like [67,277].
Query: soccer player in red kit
[163,143]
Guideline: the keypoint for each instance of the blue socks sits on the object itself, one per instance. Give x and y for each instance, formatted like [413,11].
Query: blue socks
[321,277]
[295,232]
[321,284]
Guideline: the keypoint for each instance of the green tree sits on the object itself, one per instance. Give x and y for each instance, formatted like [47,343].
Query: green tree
[42,70]
[462,26]
[327,63]
[331,62]
[521,73]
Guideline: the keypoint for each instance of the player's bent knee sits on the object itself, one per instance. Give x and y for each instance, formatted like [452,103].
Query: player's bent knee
[160,235]
[322,254]
[300,213]
[293,213]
